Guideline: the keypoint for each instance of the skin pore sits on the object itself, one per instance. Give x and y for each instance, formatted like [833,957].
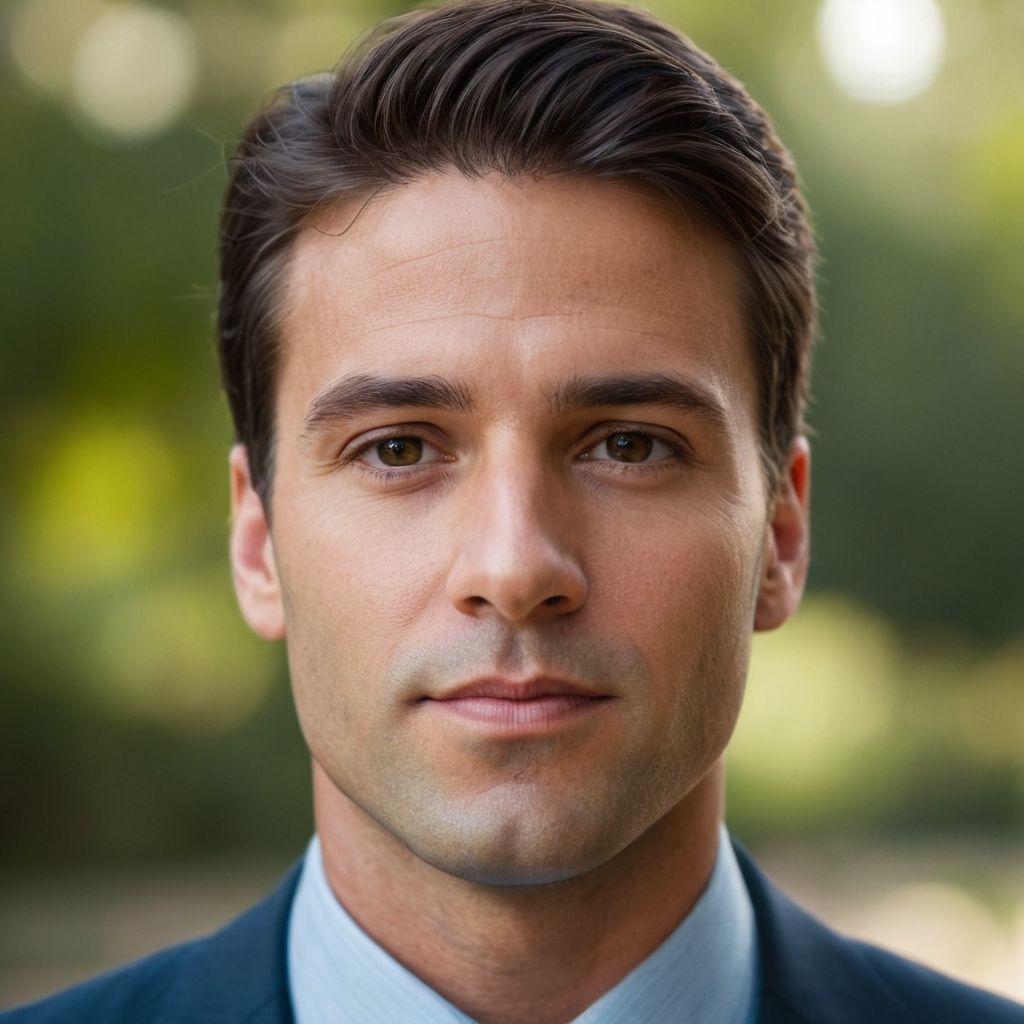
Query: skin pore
[520,540]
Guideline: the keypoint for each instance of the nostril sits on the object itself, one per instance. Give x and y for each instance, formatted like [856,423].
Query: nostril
[556,600]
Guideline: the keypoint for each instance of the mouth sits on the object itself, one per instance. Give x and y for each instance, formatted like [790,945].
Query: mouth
[518,707]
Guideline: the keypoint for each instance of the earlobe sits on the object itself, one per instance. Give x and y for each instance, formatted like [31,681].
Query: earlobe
[252,554]
[787,549]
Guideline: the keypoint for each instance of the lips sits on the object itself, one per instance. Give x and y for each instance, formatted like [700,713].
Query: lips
[536,688]
[530,705]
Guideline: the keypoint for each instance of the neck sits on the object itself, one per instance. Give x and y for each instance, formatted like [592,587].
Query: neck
[512,953]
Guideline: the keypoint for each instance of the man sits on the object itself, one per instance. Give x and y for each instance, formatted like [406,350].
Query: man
[515,320]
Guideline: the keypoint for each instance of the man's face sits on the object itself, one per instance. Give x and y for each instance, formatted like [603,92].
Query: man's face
[519,526]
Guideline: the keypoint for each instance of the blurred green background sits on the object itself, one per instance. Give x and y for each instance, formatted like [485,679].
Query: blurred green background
[138,719]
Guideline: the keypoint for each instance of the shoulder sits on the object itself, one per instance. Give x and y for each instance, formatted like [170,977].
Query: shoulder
[237,974]
[129,993]
[811,974]
[933,995]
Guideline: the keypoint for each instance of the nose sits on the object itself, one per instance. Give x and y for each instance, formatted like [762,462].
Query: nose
[512,549]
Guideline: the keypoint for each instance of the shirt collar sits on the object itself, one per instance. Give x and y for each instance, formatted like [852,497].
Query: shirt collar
[705,970]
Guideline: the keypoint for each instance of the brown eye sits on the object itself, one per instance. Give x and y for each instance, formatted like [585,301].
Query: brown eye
[625,447]
[399,451]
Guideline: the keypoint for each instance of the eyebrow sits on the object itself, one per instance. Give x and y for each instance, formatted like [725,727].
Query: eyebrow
[351,396]
[647,389]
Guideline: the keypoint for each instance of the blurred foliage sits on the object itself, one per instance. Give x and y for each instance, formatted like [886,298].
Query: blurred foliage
[138,719]
[850,724]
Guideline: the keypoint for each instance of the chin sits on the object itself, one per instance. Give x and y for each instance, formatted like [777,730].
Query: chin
[521,845]
[515,869]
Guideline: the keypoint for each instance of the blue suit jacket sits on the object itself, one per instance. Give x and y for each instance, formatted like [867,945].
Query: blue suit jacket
[810,975]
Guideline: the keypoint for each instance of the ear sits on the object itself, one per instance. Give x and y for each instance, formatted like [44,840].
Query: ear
[787,548]
[252,554]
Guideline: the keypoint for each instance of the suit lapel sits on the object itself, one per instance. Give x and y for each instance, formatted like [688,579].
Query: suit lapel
[809,975]
[240,975]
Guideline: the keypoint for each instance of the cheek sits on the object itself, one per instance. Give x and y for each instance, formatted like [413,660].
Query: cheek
[361,567]
[352,588]
[694,567]
[685,592]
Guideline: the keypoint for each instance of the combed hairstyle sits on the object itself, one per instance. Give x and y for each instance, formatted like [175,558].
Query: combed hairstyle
[524,88]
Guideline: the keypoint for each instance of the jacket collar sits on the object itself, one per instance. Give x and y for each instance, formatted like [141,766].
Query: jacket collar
[809,975]
[239,975]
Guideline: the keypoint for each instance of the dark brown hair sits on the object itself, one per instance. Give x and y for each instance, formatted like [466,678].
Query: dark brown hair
[520,87]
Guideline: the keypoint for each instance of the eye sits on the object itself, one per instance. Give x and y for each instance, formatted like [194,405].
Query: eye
[630,446]
[399,452]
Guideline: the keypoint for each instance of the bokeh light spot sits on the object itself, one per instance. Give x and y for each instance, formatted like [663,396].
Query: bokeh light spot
[991,713]
[44,35]
[94,514]
[882,51]
[939,924]
[134,70]
[819,693]
[179,653]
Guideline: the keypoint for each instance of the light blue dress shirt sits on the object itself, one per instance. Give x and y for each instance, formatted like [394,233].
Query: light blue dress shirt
[705,972]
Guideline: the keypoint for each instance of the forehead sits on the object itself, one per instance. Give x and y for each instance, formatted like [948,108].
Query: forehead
[523,281]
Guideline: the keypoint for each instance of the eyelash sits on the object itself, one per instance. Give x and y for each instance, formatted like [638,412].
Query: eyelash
[680,452]
[392,474]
